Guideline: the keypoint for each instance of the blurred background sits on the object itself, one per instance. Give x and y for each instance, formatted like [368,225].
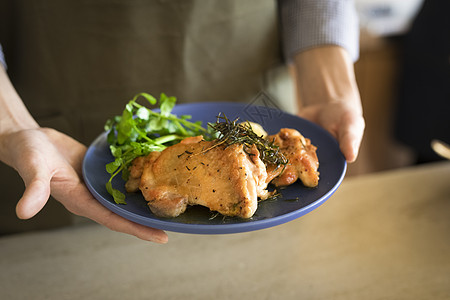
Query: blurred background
[404,77]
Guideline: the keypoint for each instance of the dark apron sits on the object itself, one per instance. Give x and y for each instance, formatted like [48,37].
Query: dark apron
[76,63]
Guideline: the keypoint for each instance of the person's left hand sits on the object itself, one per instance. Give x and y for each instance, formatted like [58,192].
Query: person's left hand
[328,95]
[345,122]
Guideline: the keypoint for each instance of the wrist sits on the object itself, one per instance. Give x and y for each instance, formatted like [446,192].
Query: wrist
[325,75]
[13,114]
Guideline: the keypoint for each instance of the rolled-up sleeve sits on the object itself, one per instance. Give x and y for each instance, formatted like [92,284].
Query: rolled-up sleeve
[307,24]
[2,57]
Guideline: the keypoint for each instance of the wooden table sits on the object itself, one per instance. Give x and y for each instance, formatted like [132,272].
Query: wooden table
[381,236]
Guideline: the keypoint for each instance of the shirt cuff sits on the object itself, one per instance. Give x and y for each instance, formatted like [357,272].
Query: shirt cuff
[2,57]
[306,24]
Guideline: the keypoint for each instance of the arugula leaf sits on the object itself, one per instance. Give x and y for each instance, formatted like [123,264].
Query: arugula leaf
[167,104]
[139,130]
[119,197]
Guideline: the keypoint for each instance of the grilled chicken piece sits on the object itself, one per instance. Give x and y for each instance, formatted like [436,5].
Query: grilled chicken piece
[301,154]
[136,169]
[196,172]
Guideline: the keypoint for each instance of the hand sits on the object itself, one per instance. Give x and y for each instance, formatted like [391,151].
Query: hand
[49,162]
[343,121]
[328,95]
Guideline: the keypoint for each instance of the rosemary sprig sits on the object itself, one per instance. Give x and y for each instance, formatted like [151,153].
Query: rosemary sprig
[232,132]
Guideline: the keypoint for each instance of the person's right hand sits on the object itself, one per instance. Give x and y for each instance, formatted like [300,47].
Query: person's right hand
[49,162]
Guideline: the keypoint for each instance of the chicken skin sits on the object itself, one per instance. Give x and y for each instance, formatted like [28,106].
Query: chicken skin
[228,180]
[302,158]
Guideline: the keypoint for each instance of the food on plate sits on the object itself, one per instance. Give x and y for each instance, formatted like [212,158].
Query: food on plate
[140,130]
[227,168]
[228,175]
[225,179]
[302,158]
[257,129]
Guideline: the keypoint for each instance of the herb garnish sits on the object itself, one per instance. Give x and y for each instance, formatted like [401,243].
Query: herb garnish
[140,130]
[232,132]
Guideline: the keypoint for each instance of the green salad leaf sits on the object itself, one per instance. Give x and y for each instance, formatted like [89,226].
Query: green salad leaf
[141,130]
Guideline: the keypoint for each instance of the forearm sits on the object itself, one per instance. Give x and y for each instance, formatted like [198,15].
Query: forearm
[325,75]
[328,95]
[14,116]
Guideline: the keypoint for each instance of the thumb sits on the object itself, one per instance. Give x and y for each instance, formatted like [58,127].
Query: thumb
[350,135]
[36,195]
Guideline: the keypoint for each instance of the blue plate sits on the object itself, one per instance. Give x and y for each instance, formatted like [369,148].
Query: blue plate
[296,200]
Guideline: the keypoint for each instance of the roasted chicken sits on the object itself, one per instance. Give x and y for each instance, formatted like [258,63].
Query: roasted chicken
[302,163]
[227,179]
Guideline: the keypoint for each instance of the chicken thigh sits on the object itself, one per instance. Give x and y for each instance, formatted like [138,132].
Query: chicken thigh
[302,163]
[228,180]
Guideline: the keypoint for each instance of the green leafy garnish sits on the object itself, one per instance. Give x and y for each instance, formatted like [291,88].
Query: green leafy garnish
[140,130]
